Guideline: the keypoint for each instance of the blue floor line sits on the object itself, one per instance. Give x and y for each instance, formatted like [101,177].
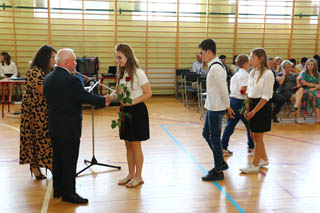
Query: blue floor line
[234,203]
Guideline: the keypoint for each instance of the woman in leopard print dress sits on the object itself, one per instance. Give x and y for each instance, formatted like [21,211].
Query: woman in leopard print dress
[35,143]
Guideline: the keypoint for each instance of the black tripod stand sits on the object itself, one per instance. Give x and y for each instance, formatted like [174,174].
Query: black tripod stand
[94,160]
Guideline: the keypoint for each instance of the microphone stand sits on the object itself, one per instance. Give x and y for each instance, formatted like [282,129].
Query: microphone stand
[113,91]
[94,160]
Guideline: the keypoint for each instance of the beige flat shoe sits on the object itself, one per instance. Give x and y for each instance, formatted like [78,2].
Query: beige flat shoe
[134,183]
[124,181]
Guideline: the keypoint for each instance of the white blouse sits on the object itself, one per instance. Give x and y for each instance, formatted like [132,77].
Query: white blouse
[264,87]
[9,69]
[139,79]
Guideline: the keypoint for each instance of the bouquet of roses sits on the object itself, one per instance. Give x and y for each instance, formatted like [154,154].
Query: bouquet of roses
[243,109]
[124,98]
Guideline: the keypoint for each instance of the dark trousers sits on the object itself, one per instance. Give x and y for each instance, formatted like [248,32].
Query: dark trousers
[236,105]
[65,158]
[212,133]
[278,99]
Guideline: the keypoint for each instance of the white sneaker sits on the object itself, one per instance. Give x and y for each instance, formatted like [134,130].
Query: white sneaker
[263,163]
[250,169]
[299,120]
[295,106]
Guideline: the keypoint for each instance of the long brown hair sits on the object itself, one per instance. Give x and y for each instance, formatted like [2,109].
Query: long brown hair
[261,53]
[6,58]
[132,62]
[42,58]
[315,67]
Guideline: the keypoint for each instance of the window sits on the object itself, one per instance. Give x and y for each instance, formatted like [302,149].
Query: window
[314,17]
[251,11]
[166,11]
[72,9]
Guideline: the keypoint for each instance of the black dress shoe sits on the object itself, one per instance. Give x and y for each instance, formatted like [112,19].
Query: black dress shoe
[214,175]
[74,198]
[56,194]
[224,167]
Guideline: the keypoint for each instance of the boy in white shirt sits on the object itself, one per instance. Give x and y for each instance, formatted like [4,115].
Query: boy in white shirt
[238,87]
[217,103]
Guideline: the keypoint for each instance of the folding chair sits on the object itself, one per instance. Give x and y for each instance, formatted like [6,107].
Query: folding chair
[179,83]
[188,79]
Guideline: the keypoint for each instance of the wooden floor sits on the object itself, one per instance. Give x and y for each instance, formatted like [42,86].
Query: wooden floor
[176,157]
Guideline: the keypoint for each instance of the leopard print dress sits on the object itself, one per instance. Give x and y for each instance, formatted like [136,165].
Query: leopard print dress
[35,143]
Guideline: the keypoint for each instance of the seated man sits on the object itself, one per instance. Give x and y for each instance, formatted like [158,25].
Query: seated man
[288,89]
[300,66]
[197,65]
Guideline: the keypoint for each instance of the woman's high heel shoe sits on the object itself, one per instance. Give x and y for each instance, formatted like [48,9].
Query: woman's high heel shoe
[39,177]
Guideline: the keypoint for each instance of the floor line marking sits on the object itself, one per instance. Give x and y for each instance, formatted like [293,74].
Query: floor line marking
[46,200]
[11,127]
[234,203]
[47,196]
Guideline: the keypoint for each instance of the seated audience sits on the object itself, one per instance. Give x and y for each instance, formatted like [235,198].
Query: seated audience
[8,69]
[317,57]
[309,79]
[271,63]
[300,66]
[288,90]
[197,65]
[234,67]
[277,61]
[223,59]
[204,69]
[294,64]
[275,96]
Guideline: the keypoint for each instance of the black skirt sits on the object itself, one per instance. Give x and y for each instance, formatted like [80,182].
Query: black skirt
[261,121]
[135,128]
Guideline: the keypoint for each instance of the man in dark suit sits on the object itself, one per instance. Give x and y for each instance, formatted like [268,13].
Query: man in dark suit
[65,96]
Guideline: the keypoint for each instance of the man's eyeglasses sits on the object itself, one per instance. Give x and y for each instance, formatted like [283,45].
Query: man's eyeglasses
[202,52]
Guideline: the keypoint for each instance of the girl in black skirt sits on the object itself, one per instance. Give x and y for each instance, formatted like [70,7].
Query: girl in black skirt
[260,90]
[134,129]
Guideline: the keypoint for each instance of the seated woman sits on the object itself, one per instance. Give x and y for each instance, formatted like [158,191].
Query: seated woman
[288,90]
[8,69]
[309,79]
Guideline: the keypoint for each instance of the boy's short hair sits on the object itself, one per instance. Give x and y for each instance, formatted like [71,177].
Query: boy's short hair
[222,57]
[242,59]
[208,44]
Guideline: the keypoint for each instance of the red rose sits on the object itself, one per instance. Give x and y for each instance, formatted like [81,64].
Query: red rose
[242,92]
[128,79]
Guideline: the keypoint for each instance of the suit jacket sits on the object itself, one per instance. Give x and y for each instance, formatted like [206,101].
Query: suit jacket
[65,96]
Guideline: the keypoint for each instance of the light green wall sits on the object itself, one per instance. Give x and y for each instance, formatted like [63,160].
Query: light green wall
[155,42]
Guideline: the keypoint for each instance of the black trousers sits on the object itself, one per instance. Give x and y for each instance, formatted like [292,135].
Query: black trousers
[65,158]
[279,99]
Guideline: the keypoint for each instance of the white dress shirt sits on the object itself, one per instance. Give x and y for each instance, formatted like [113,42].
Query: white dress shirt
[217,88]
[238,80]
[264,87]
[9,69]
[139,79]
